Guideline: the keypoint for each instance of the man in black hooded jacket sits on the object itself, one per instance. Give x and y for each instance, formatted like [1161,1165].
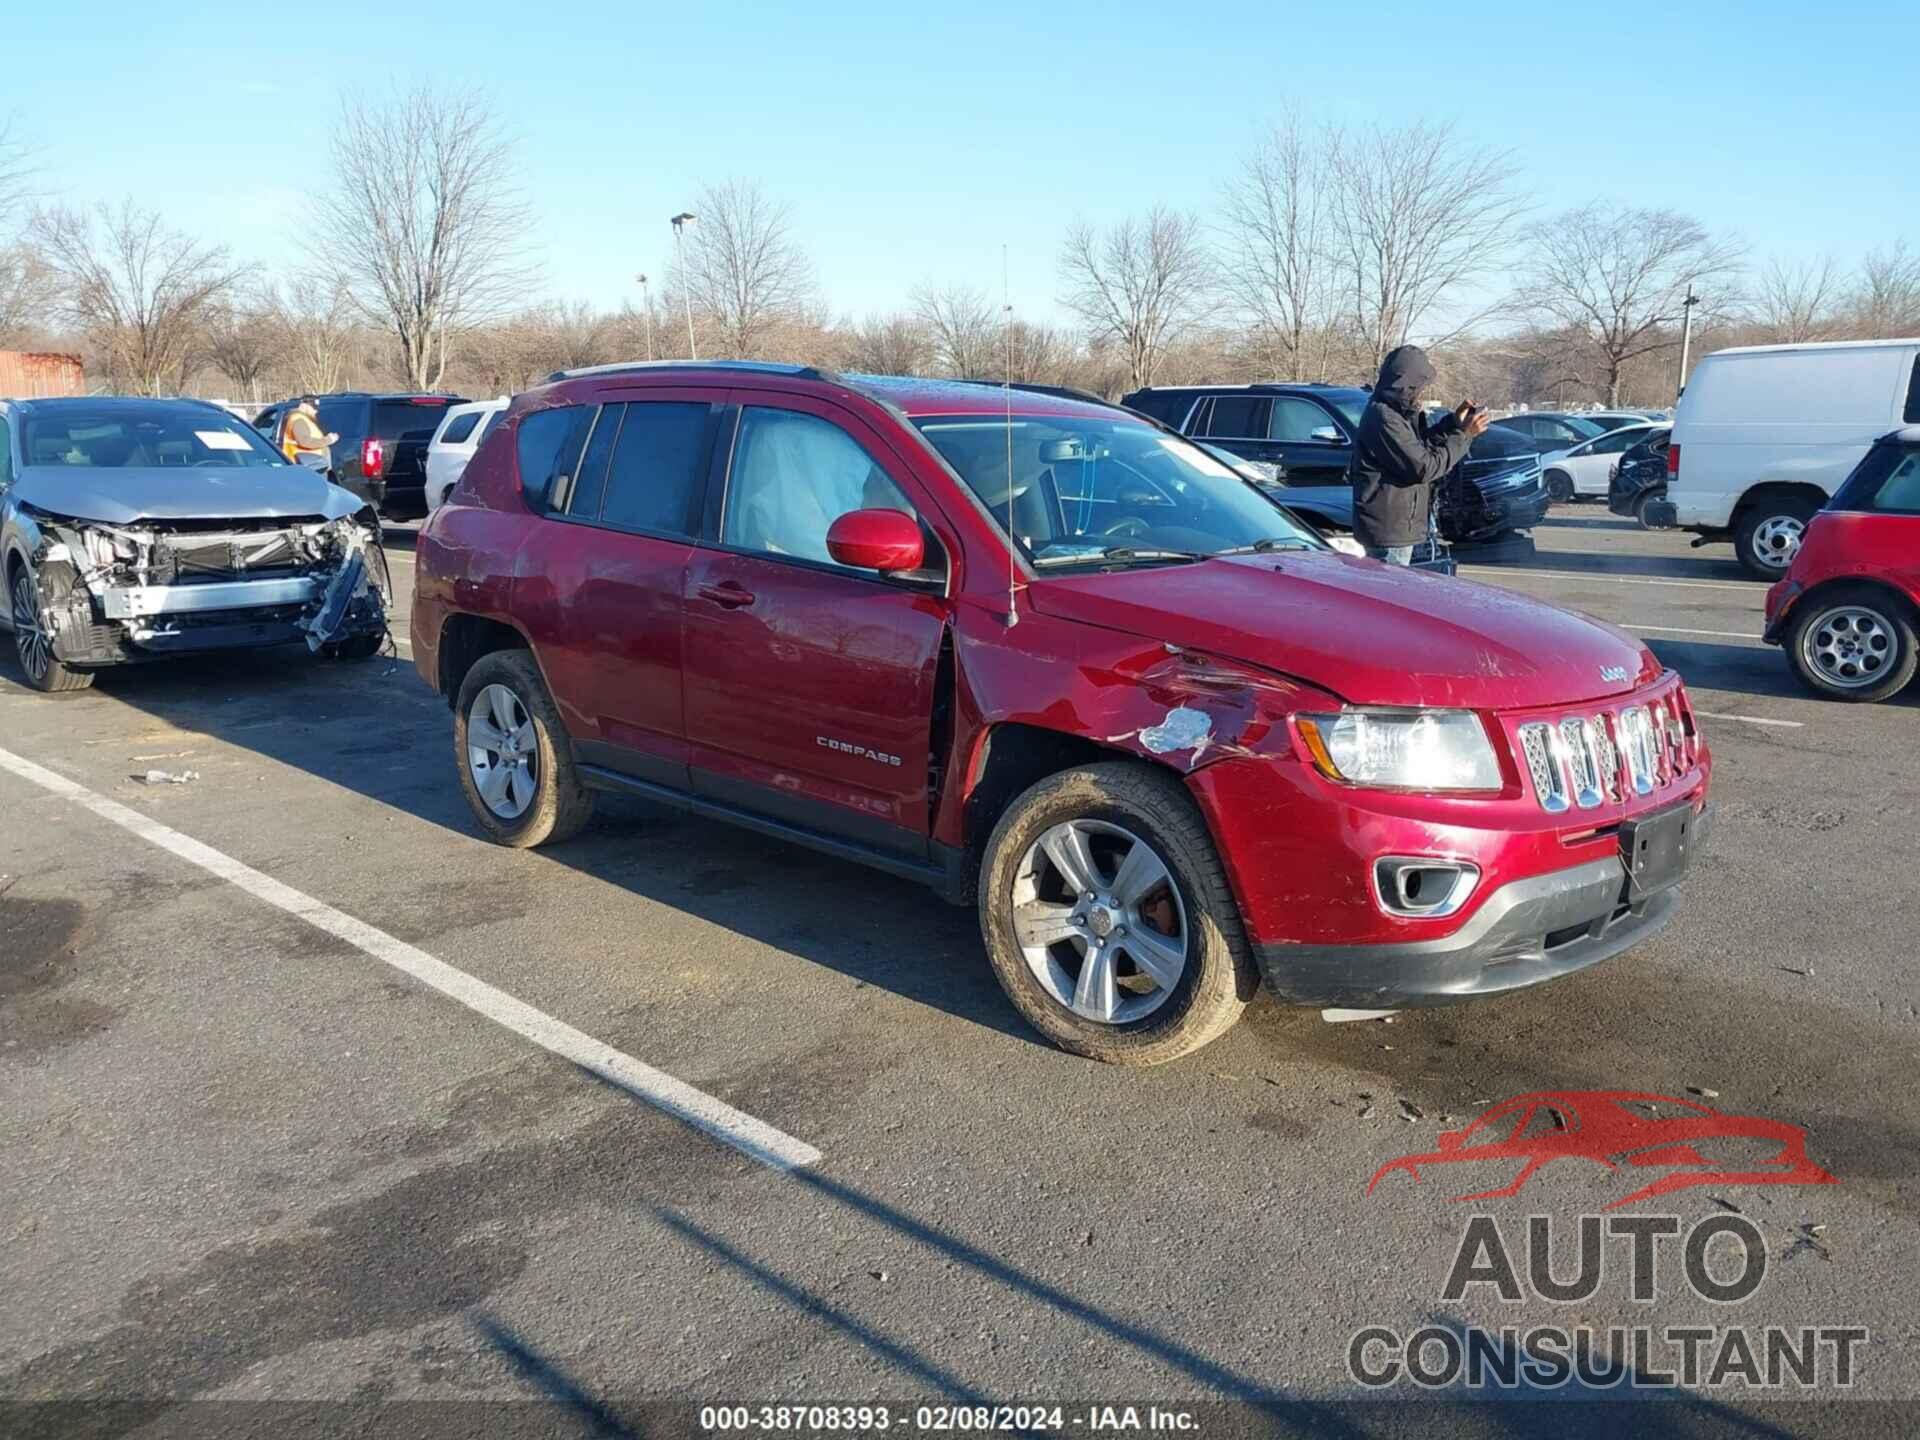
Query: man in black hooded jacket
[1401,457]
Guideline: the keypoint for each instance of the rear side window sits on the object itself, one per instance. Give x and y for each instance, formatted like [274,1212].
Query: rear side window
[590,481]
[1296,420]
[408,419]
[345,418]
[547,447]
[658,461]
[1886,482]
[1238,417]
[459,428]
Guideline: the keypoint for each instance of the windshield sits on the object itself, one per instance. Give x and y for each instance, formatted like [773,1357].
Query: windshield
[1094,491]
[124,434]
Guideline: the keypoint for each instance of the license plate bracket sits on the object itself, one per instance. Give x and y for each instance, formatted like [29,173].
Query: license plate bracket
[1657,849]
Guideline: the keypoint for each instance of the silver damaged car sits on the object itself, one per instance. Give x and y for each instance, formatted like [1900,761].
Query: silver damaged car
[132,530]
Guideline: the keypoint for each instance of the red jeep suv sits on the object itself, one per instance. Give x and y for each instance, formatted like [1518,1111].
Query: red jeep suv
[1052,658]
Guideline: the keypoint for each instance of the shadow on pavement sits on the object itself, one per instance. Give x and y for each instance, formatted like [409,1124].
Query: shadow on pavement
[1650,567]
[373,728]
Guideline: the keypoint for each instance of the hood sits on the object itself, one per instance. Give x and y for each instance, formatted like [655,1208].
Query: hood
[126,496]
[1372,634]
[1403,374]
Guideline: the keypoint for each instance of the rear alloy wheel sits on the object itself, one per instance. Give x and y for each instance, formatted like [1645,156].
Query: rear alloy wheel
[1559,487]
[32,641]
[1854,643]
[1108,917]
[516,765]
[1768,535]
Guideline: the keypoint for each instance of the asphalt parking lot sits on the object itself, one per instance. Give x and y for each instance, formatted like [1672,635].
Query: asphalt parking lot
[248,1158]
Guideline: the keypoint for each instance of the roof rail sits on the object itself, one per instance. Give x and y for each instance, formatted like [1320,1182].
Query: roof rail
[755,367]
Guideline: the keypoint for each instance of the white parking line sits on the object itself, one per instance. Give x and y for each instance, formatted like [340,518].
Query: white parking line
[1748,587]
[1752,719]
[754,1138]
[1689,630]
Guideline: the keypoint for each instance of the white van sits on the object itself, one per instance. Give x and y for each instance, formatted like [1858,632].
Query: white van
[1765,433]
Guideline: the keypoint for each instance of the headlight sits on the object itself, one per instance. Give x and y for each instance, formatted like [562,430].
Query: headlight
[1403,749]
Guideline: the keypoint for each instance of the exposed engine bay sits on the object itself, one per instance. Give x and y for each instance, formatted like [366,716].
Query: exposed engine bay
[116,593]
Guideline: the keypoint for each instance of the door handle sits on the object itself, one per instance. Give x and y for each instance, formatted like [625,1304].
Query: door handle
[730,594]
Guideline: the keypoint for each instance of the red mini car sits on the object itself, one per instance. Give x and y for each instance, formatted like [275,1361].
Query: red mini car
[1052,659]
[1848,609]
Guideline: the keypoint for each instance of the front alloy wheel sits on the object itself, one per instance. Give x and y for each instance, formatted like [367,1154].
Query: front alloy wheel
[1100,922]
[503,754]
[30,638]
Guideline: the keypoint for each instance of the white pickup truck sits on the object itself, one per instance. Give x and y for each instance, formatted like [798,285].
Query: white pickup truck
[1765,434]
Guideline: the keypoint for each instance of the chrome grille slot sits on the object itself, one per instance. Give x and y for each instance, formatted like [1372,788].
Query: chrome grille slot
[1609,755]
[1540,745]
[1583,761]
[1642,749]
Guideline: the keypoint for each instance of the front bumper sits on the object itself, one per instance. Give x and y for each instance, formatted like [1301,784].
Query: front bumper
[1525,933]
[1496,514]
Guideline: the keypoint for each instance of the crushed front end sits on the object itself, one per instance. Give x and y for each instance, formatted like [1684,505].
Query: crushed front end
[114,594]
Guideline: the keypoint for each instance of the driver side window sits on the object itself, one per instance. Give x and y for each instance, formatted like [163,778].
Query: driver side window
[6,456]
[793,476]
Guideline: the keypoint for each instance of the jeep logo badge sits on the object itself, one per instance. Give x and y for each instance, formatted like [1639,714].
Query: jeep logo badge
[1614,673]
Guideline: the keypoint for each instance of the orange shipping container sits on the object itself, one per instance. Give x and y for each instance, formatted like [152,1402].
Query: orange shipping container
[25,374]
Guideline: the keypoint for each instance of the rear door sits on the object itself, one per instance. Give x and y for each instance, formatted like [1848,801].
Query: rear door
[602,579]
[809,685]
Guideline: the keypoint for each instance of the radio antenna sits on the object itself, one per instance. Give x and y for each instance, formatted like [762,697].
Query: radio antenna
[1013,545]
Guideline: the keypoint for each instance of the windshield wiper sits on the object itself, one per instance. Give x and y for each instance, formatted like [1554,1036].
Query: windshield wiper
[1267,546]
[1120,555]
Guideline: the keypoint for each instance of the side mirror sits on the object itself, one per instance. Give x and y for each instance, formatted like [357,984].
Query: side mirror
[883,540]
[1328,435]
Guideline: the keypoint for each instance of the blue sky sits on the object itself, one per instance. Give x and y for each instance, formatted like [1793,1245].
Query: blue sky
[914,141]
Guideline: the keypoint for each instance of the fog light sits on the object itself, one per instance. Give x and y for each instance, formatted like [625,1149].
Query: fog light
[1422,888]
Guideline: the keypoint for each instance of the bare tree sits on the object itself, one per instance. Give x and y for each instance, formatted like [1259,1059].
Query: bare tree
[1416,214]
[967,330]
[140,291]
[26,280]
[1273,220]
[422,221]
[242,339]
[1795,301]
[1139,284]
[1885,303]
[320,337]
[1617,278]
[743,270]
[890,345]
[1039,352]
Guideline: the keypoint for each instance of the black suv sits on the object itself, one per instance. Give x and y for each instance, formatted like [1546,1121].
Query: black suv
[381,454]
[1310,431]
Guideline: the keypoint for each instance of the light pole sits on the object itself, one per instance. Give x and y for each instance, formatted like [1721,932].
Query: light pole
[646,304]
[1686,339]
[680,223]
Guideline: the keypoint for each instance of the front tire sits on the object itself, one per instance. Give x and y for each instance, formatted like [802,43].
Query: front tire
[1854,643]
[1108,917]
[515,763]
[32,641]
[1768,535]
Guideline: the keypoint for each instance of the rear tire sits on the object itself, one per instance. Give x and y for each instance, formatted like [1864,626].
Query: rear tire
[32,645]
[1186,914]
[1640,511]
[1559,487]
[1768,534]
[559,804]
[1854,643]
